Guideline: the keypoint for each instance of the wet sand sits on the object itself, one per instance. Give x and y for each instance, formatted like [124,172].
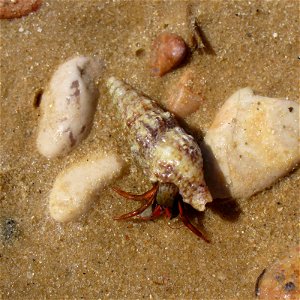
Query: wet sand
[255,43]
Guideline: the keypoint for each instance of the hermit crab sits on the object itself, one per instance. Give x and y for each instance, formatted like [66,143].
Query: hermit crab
[166,152]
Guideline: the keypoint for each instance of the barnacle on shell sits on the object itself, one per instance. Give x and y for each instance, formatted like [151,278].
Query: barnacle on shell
[168,152]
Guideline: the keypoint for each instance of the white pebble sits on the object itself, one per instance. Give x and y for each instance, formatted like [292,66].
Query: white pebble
[76,188]
[68,106]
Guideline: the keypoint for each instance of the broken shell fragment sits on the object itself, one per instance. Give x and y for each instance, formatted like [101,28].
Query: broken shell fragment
[68,106]
[76,188]
[10,9]
[253,141]
[282,279]
[168,51]
[183,98]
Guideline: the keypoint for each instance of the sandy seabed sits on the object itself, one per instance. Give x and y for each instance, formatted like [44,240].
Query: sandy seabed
[255,43]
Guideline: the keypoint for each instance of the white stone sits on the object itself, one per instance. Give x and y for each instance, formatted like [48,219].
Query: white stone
[68,106]
[76,188]
[253,141]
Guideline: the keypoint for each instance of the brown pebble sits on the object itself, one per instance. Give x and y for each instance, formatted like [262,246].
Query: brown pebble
[10,9]
[168,51]
[282,279]
[140,52]
[185,96]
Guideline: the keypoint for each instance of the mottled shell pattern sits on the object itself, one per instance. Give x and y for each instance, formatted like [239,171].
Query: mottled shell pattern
[163,148]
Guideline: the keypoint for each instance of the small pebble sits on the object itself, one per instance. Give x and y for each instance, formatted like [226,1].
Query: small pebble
[29,275]
[140,52]
[68,106]
[10,9]
[183,98]
[221,276]
[168,51]
[76,188]
[9,229]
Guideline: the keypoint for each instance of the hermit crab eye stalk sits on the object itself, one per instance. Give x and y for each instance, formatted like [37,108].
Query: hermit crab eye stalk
[169,156]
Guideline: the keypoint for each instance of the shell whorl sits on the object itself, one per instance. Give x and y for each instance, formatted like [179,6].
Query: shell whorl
[144,118]
[170,153]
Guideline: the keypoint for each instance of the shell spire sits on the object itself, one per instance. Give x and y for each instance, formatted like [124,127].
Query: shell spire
[171,155]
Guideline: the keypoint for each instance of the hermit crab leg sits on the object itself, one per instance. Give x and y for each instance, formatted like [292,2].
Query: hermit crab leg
[156,213]
[188,224]
[134,197]
[150,199]
[137,211]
